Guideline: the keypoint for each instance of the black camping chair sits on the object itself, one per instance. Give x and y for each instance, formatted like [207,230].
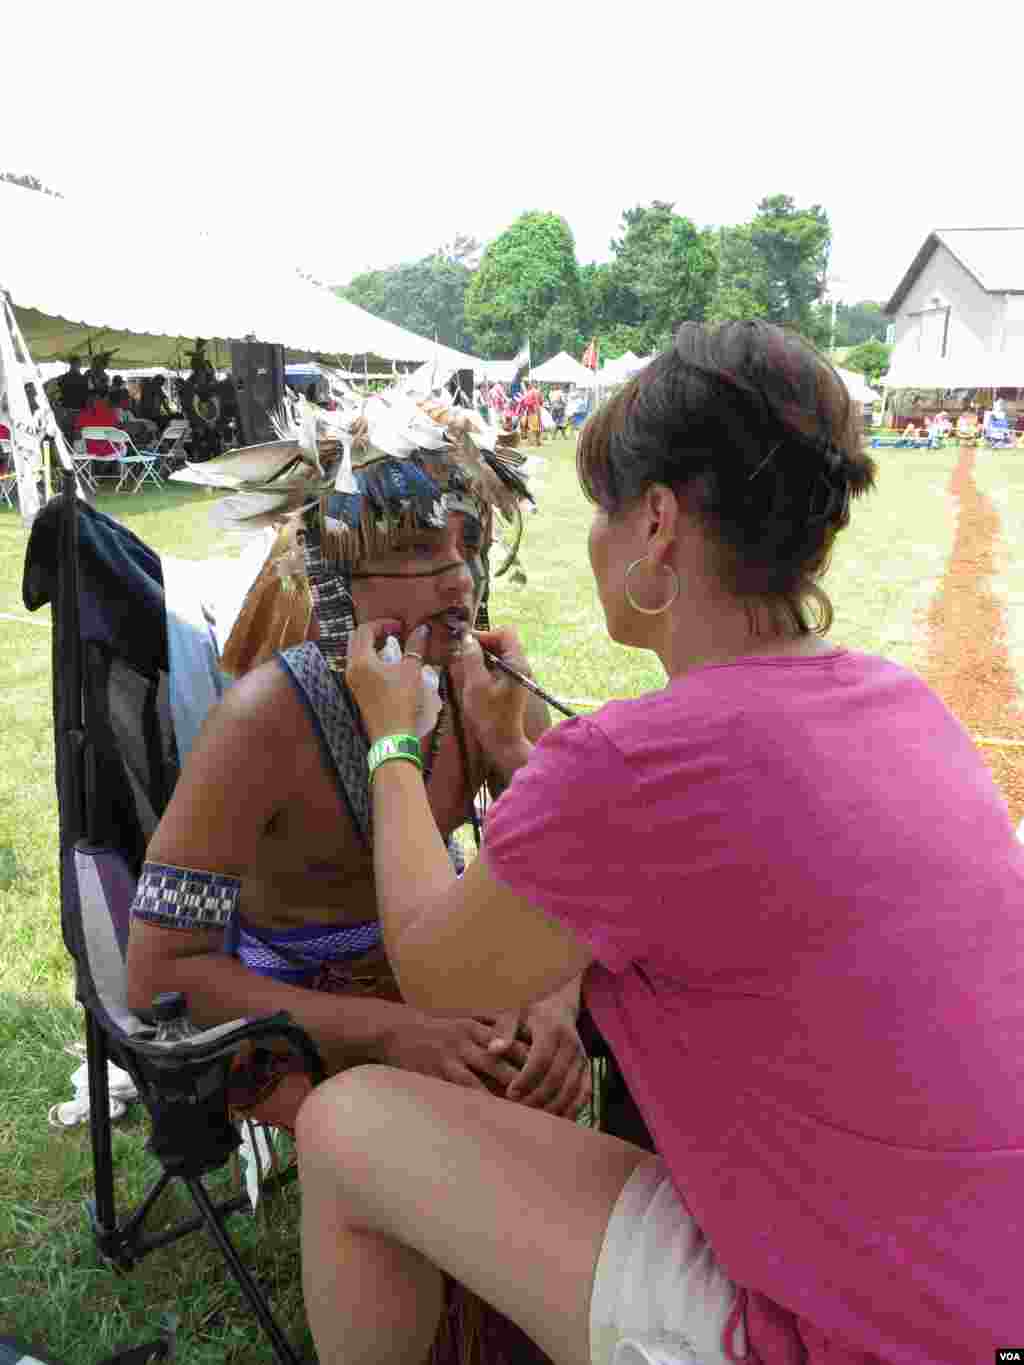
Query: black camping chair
[116,766]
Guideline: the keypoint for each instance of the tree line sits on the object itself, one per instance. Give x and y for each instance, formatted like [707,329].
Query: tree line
[663,270]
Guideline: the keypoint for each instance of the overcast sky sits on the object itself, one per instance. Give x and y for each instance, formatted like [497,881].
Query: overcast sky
[341,137]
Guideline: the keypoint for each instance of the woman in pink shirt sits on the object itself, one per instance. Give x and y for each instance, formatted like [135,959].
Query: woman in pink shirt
[797,903]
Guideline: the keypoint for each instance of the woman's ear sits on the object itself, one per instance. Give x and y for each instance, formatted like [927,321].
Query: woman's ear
[661,515]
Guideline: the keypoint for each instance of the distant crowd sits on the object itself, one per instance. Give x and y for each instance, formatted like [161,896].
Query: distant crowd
[90,398]
[142,408]
[532,410]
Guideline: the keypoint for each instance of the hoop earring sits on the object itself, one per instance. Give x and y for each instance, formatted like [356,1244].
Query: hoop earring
[651,611]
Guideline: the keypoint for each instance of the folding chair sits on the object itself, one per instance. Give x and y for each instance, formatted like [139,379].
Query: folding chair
[8,477]
[171,446]
[116,765]
[141,466]
[134,467]
[95,469]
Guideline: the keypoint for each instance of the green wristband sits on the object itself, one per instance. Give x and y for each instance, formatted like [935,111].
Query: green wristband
[394,746]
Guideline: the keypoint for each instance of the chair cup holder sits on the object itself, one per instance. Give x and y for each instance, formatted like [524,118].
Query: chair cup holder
[192,1132]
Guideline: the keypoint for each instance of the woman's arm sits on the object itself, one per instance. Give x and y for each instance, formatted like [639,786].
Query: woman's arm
[464,944]
[454,943]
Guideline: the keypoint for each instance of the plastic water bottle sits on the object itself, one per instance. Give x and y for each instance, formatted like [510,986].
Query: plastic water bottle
[172,1022]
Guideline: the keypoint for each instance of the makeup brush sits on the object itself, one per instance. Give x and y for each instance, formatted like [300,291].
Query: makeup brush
[526,682]
[456,629]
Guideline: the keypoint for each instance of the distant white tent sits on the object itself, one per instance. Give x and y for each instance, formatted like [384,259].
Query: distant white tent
[562,369]
[622,368]
[973,370]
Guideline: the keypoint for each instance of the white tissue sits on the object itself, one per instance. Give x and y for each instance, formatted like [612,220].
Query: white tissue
[429,706]
[255,1152]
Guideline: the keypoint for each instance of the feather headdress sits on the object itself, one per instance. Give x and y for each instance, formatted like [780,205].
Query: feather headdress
[373,468]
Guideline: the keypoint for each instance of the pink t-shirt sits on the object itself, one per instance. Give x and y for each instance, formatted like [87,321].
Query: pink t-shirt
[805,903]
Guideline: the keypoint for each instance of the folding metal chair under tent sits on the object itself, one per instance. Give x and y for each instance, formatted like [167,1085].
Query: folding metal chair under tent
[116,765]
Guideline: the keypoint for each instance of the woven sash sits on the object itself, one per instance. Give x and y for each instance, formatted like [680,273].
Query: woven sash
[337,725]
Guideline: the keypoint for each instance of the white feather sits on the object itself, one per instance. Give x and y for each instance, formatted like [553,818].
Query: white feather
[253,464]
[308,438]
[247,512]
[344,481]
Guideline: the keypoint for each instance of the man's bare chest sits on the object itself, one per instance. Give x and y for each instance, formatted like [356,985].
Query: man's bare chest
[311,865]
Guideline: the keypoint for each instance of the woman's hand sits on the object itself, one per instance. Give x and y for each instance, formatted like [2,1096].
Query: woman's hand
[387,694]
[494,702]
[556,1074]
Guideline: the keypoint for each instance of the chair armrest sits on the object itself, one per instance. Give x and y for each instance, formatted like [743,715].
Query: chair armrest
[224,1040]
[185,1087]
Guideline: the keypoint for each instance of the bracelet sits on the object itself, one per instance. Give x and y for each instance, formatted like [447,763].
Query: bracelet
[394,746]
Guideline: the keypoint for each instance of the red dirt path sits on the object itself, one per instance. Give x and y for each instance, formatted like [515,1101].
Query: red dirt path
[968,663]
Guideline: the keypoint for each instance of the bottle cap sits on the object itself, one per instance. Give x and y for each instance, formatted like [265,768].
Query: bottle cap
[168,1005]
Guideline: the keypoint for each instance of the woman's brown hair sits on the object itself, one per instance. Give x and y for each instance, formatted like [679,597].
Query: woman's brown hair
[760,432]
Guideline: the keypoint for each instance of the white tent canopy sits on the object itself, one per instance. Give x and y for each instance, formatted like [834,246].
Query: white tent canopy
[857,386]
[619,370]
[73,262]
[562,369]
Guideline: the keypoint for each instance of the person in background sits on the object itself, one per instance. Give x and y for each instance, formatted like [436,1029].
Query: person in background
[153,404]
[557,408]
[74,386]
[99,379]
[577,408]
[530,405]
[230,416]
[143,431]
[497,402]
[99,412]
[997,425]
[795,894]
[119,395]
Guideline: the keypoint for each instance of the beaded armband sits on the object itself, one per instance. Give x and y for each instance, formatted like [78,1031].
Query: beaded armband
[183,898]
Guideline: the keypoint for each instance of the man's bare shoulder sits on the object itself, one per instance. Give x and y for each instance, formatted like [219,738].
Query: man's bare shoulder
[240,772]
[261,704]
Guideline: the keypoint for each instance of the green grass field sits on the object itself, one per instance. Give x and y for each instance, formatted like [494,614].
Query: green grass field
[52,1288]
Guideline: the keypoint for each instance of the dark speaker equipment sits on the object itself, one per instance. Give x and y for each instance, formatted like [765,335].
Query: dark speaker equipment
[257,372]
[460,386]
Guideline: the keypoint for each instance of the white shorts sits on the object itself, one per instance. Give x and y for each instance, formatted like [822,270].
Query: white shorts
[659,1295]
